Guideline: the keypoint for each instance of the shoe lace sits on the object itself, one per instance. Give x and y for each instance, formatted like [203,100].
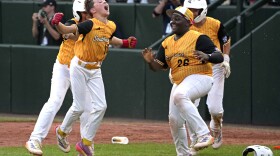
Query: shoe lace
[63,140]
[36,144]
[193,143]
[218,136]
[203,138]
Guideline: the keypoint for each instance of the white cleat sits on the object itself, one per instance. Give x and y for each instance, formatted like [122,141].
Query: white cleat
[203,142]
[34,147]
[218,141]
[62,142]
[193,151]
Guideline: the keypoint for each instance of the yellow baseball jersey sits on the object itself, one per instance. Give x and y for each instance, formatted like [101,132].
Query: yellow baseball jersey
[93,46]
[179,57]
[210,28]
[66,49]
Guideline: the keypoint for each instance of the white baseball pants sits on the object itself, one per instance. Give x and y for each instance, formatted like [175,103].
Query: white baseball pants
[216,94]
[81,80]
[214,98]
[59,85]
[182,110]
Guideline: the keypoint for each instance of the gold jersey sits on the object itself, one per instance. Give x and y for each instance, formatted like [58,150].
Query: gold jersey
[66,50]
[93,46]
[210,28]
[179,57]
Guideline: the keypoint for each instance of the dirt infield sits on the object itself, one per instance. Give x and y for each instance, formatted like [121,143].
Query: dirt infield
[139,131]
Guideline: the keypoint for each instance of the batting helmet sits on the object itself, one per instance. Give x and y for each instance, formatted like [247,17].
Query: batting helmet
[197,4]
[258,150]
[78,6]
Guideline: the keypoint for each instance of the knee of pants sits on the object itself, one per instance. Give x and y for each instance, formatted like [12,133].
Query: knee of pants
[178,97]
[175,121]
[76,110]
[99,108]
[172,120]
[53,104]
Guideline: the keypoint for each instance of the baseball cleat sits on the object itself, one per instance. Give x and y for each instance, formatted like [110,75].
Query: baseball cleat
[84,150]
[218,141]
[203,142]
[62,142]
[34,147]
[193,151]
[193,143]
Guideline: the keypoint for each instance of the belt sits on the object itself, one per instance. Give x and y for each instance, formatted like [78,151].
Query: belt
[95,65]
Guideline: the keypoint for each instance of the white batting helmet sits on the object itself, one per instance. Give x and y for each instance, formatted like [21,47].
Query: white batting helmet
[258,150]
[197,4]
[78,6]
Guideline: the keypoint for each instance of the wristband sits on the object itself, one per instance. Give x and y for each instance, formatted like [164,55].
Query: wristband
[125,44]
[226,58]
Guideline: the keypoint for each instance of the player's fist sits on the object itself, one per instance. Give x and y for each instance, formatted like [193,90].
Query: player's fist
[130,42]
[57,18]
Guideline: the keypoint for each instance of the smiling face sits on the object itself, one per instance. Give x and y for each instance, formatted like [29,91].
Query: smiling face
[179,24]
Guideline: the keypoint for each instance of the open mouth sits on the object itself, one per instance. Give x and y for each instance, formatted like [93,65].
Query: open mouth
[106,8]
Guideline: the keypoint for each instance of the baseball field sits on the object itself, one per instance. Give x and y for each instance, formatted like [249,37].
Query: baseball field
[146,138]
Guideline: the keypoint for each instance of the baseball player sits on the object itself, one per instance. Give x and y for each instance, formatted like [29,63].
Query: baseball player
[189,54]
[91,49]
[59,86]
[216,31]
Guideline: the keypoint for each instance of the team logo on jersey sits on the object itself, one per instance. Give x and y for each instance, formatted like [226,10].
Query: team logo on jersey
[100,39]
[167,58]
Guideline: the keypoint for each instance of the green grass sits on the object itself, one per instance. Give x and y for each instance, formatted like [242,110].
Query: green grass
[139,149]
[24,118]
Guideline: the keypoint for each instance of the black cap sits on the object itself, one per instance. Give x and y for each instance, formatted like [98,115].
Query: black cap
[48,2]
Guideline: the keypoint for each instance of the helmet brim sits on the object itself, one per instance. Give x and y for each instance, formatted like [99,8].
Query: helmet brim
[170,12]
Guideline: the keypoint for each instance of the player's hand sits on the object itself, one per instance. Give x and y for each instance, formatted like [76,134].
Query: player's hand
[130,42]
[57,18]
[226,67]
[201,56]
[148,55]
[170,77]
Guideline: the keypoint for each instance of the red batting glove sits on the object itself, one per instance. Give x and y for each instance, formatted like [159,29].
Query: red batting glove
[130,42]
[57,18]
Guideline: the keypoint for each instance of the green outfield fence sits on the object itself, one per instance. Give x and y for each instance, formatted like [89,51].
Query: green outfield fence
[252,93]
